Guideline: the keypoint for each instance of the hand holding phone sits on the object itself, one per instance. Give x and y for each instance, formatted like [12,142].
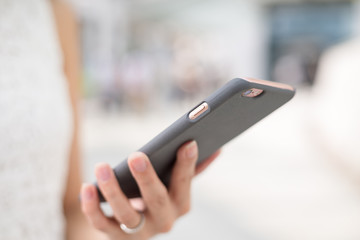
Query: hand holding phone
[222,116]
[158,208]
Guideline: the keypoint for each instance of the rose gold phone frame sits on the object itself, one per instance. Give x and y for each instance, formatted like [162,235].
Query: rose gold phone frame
[269,83]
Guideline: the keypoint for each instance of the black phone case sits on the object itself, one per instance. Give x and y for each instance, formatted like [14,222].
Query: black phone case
[229,114]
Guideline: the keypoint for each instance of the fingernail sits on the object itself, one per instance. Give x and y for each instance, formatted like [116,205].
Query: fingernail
[191,149]
[87,193]
[104,173]
[138,163]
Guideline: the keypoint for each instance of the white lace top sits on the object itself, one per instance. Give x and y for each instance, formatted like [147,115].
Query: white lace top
[35,123]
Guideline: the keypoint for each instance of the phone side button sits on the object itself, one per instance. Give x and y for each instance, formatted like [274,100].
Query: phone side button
[194,114]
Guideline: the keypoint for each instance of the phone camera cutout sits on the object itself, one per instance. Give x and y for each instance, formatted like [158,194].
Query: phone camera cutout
[253,92]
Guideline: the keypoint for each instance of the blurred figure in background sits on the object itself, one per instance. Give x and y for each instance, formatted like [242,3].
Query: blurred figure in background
[194,75]
[136,79]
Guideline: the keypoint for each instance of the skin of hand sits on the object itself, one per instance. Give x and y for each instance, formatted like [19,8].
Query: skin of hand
[162,206]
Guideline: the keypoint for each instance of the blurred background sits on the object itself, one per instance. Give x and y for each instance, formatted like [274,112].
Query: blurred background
[295,175]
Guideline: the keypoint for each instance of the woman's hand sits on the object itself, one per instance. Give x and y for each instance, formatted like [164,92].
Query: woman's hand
[163,206]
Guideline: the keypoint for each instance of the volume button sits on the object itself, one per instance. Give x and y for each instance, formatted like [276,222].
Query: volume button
[194,114]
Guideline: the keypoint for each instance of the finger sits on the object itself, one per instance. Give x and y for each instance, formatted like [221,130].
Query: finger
[182,174]
[138,204]
[90,206]
[203,165]
[123,212]
[152,190]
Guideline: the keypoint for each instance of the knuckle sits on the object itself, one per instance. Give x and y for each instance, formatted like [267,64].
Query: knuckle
[111,193]
[184,179]
[147,181]
[159,199]
[185,162]
[126,217]
[166,227]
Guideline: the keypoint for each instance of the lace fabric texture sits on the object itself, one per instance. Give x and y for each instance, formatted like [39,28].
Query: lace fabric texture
[35,123]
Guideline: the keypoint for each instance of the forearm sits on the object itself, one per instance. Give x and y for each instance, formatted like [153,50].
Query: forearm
[77,227]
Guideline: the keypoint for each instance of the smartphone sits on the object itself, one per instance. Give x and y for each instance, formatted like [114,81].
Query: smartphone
[216,120]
